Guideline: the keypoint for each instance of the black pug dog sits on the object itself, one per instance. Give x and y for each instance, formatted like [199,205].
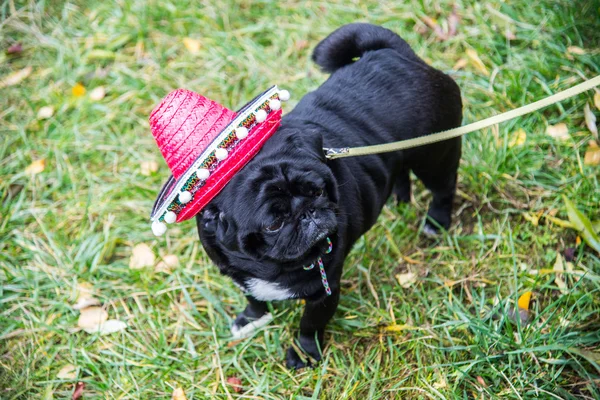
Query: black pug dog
[275,216]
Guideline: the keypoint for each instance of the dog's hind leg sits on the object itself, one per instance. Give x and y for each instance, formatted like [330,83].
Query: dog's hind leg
[442,185]
[402,187]
[439,176]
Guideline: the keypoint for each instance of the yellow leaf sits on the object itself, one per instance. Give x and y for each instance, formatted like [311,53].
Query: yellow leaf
[78,90]
[590,120]
[178,394]
[148,167]
[92,317]
[575,50]
[517,138]
[560,222]
[460,64]
[167,263]
[558,131]
[534,219]
[523,302]
[69,372]
[15,77]
[193,45]
[97,93]
[578,240]
[406,280]
[477,63]
[36,167]
[45,112]
[597,99]
[398,328]
[592,155]
[142,256]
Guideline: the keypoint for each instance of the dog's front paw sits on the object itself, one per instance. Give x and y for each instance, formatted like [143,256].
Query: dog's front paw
[293,360]
[430,230]
[245,326]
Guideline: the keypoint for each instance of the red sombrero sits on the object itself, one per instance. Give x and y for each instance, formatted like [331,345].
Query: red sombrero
[204,145]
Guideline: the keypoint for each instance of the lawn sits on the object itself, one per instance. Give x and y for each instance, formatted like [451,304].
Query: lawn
[78,180]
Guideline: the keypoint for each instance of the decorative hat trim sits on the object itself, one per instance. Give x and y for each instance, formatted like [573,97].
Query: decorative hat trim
[254,124]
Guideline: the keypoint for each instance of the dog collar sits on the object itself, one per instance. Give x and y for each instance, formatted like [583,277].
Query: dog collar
[322,268]
[205,145]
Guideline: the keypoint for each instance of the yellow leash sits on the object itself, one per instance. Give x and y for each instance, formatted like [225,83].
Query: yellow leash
[333,153]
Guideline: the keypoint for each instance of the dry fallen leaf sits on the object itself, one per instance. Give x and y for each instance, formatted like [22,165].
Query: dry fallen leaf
[524,300]
[78,392]
[533,218]
[517,138]
[84,289]
[477,63]
[15,77]
[148,167]
[509,34]
[13,190]
[481,381]
[400,328]
[178,394]
[592,154]
[236,383]
[432,23]
[453,21]
[406,280]
[193,45]
[575,50]
[97,93]
[15,49]
[558,131]
[85,303]
[85,296]
[141,256]
[91,317]
[590,120]
[69,372]
[106,328]
[78,90]
[45,112]
[518,314]
[301,44]
[36,167]
[558,266]
[167,263]
[460,64]
[597,99]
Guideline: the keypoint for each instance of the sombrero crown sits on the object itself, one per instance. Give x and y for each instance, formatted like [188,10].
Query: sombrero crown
[204,145]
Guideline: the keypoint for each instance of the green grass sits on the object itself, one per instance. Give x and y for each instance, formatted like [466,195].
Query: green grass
[78,219]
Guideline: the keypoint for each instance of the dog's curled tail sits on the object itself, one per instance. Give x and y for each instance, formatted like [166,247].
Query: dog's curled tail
[345,44]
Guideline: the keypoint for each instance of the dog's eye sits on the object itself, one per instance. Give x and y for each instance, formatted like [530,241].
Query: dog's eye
[274,226]
[319,192]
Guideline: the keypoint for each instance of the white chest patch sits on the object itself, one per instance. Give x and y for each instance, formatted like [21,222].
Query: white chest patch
[267,291]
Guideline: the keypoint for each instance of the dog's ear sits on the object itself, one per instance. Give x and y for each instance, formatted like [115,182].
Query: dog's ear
[309,141]
[208,220]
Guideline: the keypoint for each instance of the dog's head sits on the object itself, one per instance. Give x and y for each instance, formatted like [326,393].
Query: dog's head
[277,212]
